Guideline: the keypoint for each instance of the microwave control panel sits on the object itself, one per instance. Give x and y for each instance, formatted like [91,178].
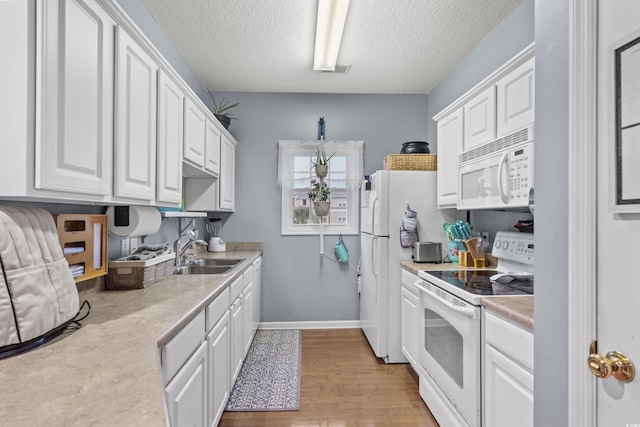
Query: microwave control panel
[521,174]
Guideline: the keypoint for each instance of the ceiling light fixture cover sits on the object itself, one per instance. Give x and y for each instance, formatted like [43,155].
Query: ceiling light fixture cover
[332,15]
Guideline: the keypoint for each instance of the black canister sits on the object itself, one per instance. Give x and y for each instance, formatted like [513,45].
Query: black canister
[415,147]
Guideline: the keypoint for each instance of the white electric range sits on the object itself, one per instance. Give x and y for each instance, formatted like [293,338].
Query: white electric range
[450,326]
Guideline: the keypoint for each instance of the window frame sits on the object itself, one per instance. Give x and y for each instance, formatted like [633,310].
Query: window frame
[354,161]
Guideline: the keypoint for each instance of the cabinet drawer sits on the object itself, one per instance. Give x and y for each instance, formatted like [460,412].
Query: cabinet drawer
[178,350]
[236,288]
[409,281]
[509,338]
[217,309]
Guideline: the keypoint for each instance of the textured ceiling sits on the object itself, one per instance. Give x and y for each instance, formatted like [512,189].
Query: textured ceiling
[400,46]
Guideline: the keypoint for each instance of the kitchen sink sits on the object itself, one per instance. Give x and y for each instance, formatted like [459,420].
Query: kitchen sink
[209,266]
[207,262]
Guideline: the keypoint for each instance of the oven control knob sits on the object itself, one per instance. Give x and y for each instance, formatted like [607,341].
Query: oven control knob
[498,244]
[505,245]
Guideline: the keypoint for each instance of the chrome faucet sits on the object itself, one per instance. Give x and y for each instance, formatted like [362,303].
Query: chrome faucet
[180,252]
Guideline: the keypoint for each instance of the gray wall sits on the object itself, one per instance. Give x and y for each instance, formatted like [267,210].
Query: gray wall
[298,284]
[552,159]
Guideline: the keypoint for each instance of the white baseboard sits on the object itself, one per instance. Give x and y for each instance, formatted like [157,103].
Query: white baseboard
[337,324]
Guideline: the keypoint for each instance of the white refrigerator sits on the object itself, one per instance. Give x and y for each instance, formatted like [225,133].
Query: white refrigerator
[382,208]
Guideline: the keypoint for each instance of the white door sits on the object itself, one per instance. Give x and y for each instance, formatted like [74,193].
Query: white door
[618,293]
[374,316]
[227,180]
[218,369]
[136,108]
[74,132]
[170,133]
[212,148]
[480,119]
[194,133]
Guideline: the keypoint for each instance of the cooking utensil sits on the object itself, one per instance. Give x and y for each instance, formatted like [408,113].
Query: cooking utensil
[412,147]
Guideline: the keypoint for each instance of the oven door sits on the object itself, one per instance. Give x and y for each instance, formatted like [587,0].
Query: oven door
[450,348]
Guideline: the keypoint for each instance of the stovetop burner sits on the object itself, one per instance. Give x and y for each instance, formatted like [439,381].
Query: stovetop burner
[478,283]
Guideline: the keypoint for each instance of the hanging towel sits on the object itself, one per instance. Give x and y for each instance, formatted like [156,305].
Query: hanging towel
[409,228]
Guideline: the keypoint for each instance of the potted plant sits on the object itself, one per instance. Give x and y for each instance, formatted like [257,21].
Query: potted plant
[221,111]
[319,195]
[321,164]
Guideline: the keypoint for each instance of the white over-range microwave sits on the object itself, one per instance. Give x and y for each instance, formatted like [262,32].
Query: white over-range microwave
[497,175]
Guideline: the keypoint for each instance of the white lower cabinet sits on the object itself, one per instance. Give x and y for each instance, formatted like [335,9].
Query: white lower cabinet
[247,302]
[237,338]
[410,318]
[218,369]
[508,373]
[201,363]
[186,394]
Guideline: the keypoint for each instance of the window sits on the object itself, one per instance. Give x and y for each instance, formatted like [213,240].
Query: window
[295,172]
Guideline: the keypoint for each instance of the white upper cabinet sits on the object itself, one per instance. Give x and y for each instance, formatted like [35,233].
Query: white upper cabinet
[170,137]
[135,142]
[74,97]
[450,137]
[480,119]
[212,148]
[227,180]
[516,99]
[194,133]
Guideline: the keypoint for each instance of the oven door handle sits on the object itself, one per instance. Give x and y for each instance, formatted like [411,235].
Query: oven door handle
[467,310]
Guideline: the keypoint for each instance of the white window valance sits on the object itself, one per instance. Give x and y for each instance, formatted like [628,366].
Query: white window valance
[353,151]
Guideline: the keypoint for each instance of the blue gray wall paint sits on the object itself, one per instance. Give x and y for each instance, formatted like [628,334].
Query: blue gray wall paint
[552,159]
[298,284]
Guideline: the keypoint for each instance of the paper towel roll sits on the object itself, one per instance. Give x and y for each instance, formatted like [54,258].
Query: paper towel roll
[143,221]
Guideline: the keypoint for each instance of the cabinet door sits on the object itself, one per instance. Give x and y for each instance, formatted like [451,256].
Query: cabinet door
[409,326]
[186,394]
[450,137]
[194,133]
[170,139]
[136,94]
[516,99]
[227,180]
[248,316]
[257,294]
[218,368]
[212,148]
[508,391]
[480,119]
[74,97]
[237,338]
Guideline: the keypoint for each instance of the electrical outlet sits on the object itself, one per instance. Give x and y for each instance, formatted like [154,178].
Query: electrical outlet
[485,236]
[133,244]
[125,249]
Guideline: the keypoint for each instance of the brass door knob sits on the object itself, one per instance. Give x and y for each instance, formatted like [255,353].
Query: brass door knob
[614,363]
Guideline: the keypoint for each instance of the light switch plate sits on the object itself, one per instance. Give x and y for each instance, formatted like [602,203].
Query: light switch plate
[125,249]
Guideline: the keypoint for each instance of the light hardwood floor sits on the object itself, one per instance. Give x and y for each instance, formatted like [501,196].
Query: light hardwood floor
[343,385]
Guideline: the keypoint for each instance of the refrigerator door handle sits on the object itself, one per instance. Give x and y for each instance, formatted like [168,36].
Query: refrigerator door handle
[373,203]
[374,250]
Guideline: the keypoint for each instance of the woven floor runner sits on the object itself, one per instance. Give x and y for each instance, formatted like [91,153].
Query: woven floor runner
[269,379]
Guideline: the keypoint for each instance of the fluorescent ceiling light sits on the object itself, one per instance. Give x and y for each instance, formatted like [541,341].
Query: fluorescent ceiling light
[332,15]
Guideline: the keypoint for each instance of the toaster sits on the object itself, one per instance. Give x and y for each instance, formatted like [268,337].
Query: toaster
[426,252]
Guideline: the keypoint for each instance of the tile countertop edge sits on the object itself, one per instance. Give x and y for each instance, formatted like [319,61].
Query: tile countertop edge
[517,308]
[109,371]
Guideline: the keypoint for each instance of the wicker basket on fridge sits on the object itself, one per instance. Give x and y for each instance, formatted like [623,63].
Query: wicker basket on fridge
[411,162]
